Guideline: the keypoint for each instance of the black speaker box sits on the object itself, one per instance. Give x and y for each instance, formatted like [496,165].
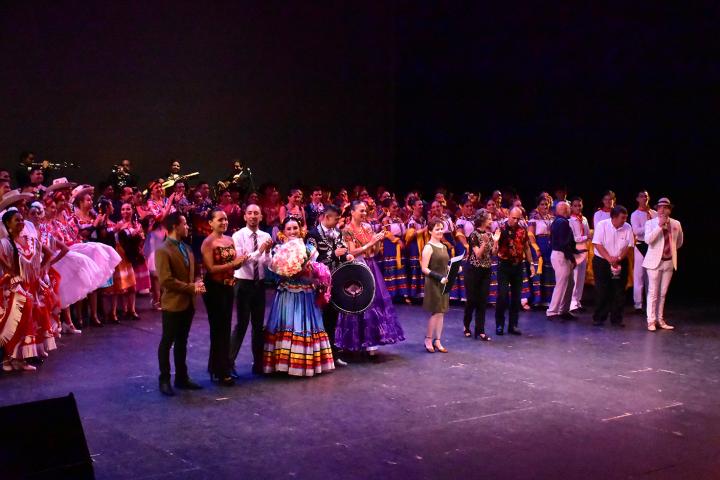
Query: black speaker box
[43,440]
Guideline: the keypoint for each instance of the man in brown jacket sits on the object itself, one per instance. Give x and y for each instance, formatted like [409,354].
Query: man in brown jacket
[175,265]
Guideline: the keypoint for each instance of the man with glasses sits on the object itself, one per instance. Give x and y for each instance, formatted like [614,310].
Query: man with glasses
[513,249]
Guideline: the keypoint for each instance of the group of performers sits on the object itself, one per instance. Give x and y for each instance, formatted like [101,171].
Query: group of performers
[66,247]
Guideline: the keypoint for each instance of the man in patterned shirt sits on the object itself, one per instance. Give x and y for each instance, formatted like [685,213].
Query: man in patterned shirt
[513,248]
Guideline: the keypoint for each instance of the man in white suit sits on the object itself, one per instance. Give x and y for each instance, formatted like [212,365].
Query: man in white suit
[664,236]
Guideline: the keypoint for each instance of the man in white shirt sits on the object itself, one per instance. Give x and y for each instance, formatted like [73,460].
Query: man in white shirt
[664,236]
[612,239]
[581,231]
[637,221]
[250,287]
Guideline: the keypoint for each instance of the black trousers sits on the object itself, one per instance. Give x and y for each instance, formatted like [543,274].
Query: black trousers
[330,318]
[509,280]
[218,300]
[609,292]
[175,331]
[477,289]
[250,311]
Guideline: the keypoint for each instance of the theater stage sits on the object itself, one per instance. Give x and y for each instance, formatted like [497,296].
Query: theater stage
[567,401]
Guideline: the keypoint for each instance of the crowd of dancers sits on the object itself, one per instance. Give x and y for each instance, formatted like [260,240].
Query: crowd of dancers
[74,256]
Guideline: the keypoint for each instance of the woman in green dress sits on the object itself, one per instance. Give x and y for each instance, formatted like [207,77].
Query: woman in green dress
[434,264]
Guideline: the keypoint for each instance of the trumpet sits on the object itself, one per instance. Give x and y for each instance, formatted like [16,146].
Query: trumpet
[54,166]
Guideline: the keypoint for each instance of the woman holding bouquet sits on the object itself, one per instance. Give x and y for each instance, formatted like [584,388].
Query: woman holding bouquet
[295,337]
[378,325]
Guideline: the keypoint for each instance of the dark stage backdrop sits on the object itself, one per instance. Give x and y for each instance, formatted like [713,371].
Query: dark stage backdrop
[622,97]
[470,94]
[297,90]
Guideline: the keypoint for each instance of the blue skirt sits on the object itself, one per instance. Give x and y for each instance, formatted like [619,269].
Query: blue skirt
[416,279]
[395,278]
[295,338]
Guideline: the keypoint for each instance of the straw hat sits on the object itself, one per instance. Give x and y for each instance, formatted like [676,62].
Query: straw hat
[81,190]
[60,184]
[13,197]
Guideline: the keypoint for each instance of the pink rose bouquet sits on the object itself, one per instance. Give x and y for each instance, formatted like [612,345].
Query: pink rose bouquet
[290,258]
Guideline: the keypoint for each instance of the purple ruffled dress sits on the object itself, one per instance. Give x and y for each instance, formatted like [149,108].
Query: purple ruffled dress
[378,325]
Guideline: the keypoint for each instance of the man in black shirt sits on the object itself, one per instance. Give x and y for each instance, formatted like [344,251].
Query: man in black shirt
[563,262]
[332,252]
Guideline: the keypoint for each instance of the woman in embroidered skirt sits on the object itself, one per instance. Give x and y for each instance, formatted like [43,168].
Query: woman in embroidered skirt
[296,342]
[378,325]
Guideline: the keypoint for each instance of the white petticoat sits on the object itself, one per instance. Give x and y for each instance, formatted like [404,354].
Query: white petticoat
[79,277]
[106,258]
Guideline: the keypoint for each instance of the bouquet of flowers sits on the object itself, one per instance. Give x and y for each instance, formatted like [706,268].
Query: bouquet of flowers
[321,276]
[289,258]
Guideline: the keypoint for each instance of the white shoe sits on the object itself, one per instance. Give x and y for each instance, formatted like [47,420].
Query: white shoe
[340,363]
[665,326]
[67,328]
[652,327]
[23,366]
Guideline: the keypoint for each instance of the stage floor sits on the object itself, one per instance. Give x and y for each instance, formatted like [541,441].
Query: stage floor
[565,400]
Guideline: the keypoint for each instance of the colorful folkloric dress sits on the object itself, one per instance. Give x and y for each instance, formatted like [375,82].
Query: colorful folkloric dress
[131,239]
[26,324]
[393,265]
[295,338]
[464,226]
[156,236]
[124,276]
[378,325]
[543,282]
[414,244]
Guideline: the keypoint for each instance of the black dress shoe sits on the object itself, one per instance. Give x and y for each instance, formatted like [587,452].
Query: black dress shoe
[568,316]
[166,389]
[187,384]
[618,325]
[514,331]
[227,381]
[234,374]
[499,331]
[553,318]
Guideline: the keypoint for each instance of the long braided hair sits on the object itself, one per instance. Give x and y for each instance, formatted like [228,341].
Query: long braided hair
[6,219]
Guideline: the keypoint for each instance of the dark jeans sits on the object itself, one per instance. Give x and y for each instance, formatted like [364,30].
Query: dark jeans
[218,300]
[509,279]
[250,311]
[175,330]
[609,292]
[477,288]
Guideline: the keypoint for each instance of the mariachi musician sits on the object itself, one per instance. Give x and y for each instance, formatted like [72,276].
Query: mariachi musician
[241,178]
[332,252]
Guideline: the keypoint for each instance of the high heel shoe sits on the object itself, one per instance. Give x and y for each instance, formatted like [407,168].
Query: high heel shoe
[95,322]
[133,316]
[114,319]
[22,365]
[438,346]
[467,332]
[482,337]
[430,348]
[70,328]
